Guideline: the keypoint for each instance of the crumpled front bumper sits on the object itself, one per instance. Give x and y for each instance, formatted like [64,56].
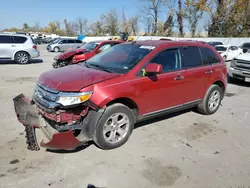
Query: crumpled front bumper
[29,116]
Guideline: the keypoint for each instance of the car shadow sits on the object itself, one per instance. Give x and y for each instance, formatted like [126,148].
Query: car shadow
[238,82]
[11,62]
[162,118]
[80,148]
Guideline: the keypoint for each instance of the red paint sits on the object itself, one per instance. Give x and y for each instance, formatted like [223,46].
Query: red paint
[73,78]
[62,140]
[81,54]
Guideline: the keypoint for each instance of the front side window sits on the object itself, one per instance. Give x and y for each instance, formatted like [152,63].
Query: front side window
[105,47]
[64,41]
[220,48]
[169,59]
[191,57]
[120,58]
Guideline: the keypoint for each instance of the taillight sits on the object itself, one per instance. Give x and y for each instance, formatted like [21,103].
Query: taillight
[35,47]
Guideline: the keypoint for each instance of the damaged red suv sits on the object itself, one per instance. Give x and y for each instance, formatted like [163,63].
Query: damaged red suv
[102,98]
[83,53]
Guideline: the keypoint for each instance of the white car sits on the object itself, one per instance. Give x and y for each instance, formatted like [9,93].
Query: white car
[240,67]
[228,52]
[20,48]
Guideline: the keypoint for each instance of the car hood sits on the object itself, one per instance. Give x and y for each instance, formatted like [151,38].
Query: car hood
[245,57]
[69,53]
[73,78]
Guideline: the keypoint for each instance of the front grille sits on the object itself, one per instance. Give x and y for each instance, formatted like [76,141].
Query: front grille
[242,65]
[45,96]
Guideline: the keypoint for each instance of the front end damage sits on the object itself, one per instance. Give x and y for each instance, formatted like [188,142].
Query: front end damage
[64,129]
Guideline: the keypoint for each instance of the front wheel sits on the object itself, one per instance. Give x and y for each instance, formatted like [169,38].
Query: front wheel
[212,100]
[22,58]
[115,127]
[56,49]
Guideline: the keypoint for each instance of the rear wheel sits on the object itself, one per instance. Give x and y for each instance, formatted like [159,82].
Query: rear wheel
[22,58]
[212,100]
[56,49]
[115,127]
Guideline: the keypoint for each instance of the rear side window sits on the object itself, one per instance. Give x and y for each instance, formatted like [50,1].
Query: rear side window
[78,41]
[5,39]
[191,57]
[209,57]
[71,41]
[19,40]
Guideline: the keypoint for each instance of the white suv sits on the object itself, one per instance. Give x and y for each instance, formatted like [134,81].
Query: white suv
[20,48]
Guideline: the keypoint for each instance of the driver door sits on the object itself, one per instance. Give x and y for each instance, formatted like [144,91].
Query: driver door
[162,91]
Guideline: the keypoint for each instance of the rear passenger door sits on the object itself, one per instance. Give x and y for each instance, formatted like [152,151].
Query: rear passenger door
[193,74]
[18,43]
[212,65]
[5,46]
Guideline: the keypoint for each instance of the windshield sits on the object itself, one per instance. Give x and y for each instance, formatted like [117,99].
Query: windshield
[120,58]
[89,46]
[221,48]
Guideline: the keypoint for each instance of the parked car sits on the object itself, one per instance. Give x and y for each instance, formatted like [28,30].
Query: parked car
[245,47]
[19,48]
[214,43]
[240,68]
[104,97]
[63,44]
[83,53]
[228,52]
[39,40]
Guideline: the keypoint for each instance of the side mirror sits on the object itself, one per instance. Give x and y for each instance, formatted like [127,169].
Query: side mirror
[153,68]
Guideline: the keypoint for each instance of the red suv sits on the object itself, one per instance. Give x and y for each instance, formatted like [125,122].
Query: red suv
[83,53]
[102,98]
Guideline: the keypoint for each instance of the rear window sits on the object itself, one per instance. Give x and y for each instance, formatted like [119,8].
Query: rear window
[191,57]
[19,40]
[209,57]
[5,39]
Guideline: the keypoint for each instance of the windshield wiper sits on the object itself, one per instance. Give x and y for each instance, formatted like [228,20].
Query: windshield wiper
[100,67]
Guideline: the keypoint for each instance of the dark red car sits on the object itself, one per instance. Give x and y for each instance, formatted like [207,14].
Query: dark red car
[83,53]
[104,97]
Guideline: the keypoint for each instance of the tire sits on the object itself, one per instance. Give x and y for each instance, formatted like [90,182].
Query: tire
[104,132]
[56,49]
[22,58]
[203,107]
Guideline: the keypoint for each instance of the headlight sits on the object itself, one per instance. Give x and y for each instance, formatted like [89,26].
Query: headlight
[233,63]
[67,99]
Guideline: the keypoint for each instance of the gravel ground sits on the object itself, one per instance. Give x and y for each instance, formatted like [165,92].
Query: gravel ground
[181,150]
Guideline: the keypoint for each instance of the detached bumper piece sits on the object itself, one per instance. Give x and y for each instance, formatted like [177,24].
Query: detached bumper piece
[29,117]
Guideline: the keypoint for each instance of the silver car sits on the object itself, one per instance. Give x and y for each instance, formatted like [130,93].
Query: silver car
[20,48]
[61,45]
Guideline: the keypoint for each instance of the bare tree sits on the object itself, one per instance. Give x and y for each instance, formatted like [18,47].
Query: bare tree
[96,28]
[169,24]
[37,26]
[110,22]
[133,24]
[124,23]
[193,12]
[147,22]
[179,15]
[82,25]
[70,28]
[153,8]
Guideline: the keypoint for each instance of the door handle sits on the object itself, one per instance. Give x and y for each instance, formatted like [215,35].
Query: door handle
[13,45]
[179,77]
[209,72]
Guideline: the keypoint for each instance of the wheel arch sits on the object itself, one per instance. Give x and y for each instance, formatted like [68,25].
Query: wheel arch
[221,85]
[20,51]
[127,102]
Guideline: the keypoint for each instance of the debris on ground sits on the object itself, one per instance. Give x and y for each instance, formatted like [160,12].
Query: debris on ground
[15,161]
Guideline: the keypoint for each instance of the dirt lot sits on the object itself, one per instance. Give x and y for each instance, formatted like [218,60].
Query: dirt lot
[182,150]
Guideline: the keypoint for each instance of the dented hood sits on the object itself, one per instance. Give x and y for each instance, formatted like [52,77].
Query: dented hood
[69,53]
[73,78]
